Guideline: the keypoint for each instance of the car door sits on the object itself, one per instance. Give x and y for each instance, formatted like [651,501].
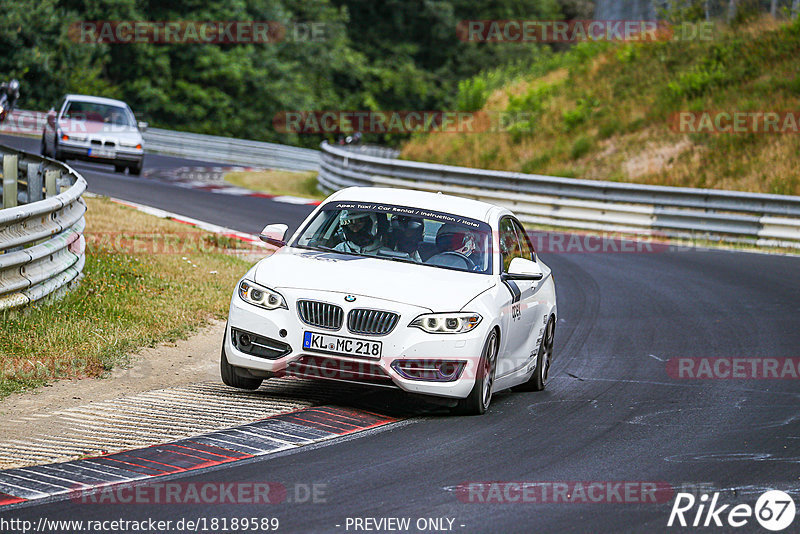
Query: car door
[533,308]
[519,315]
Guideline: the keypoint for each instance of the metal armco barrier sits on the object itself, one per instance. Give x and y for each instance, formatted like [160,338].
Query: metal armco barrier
[762,219]
[191,145]
[230,150]
[41,229]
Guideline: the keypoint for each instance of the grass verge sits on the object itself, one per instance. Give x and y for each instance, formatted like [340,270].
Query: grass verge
[146,280]
[608,112]
[275,182]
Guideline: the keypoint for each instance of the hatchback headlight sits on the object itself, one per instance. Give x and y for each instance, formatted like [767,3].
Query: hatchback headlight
[261,296]
[447,323]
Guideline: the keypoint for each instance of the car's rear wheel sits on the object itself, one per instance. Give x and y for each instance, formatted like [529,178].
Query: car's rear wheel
[229,374]
[538,379]
[481,395]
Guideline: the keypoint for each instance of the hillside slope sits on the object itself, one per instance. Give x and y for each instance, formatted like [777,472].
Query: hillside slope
[608,112]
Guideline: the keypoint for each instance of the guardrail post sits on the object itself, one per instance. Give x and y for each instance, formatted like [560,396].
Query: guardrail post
[10,177]
[50,179]
[35,192]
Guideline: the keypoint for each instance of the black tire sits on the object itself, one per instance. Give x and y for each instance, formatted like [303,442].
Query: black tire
[481,395]
[231,378]
[544,357]
[119,168]
[136,169]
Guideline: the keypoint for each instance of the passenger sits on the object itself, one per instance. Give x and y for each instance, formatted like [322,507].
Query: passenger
[358,230]
[406,235]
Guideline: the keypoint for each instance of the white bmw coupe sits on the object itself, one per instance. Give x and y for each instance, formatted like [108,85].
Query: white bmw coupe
[433,294]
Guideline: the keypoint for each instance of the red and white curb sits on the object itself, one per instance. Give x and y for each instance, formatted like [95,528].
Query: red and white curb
[277,433]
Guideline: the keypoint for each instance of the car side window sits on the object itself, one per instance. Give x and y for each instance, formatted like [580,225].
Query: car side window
[526,250]
[509,243]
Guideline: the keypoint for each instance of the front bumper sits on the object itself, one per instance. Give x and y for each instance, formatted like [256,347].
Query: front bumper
[402,343]
[80,151]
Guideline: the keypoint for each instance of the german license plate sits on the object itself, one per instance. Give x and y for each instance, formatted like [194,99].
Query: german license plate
[102,153]
[359,348]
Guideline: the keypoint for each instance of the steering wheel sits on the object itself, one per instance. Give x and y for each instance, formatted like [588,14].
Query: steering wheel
[450,254]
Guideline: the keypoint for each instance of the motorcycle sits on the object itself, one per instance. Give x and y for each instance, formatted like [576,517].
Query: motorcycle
[4,107]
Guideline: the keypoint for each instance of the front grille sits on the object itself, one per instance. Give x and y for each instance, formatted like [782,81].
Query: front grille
[371,322]
[320,314]
[109,143]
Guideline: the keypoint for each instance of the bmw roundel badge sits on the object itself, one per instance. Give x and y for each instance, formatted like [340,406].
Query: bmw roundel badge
[350,298]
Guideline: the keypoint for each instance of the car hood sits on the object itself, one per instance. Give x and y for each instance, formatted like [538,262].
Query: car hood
[429,287]
[99,129]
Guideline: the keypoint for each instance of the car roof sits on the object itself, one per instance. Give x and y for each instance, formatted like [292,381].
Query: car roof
[474,209]
[96,100]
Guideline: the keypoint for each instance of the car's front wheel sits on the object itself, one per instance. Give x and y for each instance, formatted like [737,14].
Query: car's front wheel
[481,395]
[230,376]
[135,169]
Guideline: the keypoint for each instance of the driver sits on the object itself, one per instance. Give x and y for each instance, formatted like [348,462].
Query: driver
[358,231]
[456,238]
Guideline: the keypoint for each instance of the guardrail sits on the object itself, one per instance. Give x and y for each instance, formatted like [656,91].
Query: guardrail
[41,228]
[191,145]
[761,219]
[230,150]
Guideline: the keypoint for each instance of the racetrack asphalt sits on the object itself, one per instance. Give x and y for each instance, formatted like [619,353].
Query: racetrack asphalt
[611,411]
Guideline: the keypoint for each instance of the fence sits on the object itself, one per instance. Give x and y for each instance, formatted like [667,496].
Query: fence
[41,227]
[762,219]
[191,145]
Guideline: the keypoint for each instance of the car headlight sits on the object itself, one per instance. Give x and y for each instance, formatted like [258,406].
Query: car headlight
[447,323]
[131,144]
[261,296]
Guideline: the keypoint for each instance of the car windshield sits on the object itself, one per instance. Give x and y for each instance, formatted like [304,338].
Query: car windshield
[400,233]
[93,112]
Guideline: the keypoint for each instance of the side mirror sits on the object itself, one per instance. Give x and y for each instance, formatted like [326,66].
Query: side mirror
[142,126]
[522,269]
[274,234]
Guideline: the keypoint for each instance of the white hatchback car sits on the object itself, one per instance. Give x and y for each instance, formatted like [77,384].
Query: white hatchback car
[433,294]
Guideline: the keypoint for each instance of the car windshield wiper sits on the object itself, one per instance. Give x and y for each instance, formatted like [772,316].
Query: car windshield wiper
[321,248]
